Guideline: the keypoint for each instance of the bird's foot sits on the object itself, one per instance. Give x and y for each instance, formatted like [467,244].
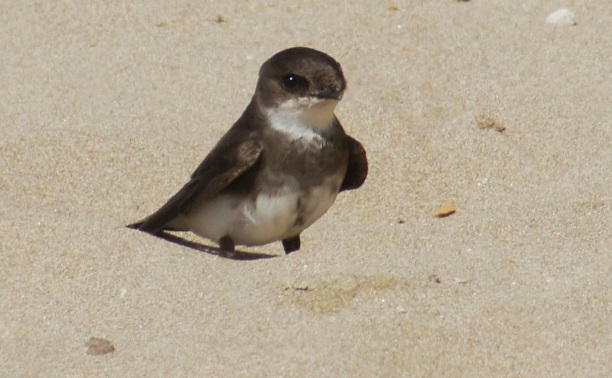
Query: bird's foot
[291,244]
[226,244]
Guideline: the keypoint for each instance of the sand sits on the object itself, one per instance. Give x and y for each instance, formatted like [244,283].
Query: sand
[107,107]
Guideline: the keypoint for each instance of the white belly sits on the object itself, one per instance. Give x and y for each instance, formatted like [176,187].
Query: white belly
[263,220]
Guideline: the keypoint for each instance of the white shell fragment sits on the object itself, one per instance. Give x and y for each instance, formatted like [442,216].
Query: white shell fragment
[562,16]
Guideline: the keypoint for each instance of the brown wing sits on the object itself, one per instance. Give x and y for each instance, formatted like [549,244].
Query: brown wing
[230,158]
[357,170]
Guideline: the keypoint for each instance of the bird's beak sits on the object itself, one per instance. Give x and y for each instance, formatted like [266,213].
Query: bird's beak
[330,93]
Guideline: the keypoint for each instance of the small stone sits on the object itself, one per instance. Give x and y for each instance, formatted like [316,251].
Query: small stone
[446,209]
[97,346]
[562,16]
[487,122]
[434,278]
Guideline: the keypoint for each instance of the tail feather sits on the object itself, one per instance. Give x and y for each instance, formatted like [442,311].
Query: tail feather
[152,225]
[135,226]
[146,225]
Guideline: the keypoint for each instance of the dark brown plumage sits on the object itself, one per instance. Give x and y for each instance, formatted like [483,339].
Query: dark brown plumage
[286,148]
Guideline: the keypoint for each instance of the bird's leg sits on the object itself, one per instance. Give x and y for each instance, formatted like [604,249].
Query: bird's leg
[226,244]
[291,244]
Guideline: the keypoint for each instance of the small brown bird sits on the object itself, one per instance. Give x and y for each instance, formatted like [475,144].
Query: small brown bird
[281,165]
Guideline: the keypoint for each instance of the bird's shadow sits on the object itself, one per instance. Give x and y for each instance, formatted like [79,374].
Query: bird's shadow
[231,255]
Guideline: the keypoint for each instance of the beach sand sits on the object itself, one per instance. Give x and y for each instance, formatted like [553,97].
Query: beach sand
[107,107]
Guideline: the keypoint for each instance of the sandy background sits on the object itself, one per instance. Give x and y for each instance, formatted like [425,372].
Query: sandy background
[106,108]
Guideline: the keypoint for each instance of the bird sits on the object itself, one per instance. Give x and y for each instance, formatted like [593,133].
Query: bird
[279,168]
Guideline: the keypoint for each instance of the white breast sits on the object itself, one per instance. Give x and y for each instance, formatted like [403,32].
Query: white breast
[302,118]
[267,219]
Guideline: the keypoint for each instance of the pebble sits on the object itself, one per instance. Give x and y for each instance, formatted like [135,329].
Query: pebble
[562,16]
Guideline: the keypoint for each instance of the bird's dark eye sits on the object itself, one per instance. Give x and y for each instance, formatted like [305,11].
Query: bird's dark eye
[292,81]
